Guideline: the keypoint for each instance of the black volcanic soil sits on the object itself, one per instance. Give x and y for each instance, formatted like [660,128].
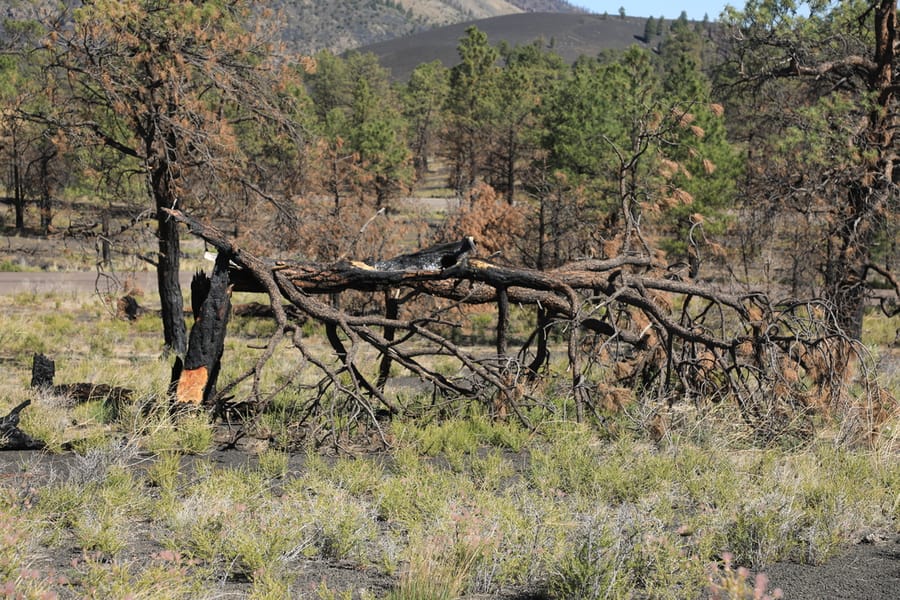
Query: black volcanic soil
[866,571]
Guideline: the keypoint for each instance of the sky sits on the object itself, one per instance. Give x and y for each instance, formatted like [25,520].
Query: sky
[670,9]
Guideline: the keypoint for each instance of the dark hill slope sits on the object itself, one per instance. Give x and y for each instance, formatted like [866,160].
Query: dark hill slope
[569,35]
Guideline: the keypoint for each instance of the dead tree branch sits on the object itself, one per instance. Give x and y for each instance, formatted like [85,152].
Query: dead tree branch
[674,338]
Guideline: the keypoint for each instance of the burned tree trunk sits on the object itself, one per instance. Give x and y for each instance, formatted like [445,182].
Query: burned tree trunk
[194,378]
[391,313]
[167,269]
[43,370]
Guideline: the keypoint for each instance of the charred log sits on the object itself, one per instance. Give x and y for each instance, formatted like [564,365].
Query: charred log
[43,370]
[434,258]
[13,438]
[257,310]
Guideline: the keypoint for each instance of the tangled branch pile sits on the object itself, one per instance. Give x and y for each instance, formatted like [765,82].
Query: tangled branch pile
[622,324]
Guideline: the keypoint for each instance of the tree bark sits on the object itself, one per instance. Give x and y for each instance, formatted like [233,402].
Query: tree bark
[18,191]
[391,313]
[168,267]
[46,201]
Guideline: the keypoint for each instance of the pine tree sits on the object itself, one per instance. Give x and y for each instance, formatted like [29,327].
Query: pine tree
[160,86]
[471,101]
[649,29]
[823,120]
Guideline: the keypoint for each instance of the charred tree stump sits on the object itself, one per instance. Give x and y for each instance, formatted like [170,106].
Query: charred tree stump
[128,309]
[194,377]
[13,438]
[43,370]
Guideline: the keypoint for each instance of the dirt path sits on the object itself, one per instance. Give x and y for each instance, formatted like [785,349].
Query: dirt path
[81,281]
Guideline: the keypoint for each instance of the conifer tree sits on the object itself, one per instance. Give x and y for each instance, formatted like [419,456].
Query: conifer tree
[823,119]
[162,86]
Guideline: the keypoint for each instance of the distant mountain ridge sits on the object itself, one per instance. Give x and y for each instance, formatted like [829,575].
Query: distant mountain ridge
[308,26]
[341,25]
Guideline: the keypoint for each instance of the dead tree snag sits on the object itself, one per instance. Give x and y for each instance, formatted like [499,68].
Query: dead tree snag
[194,377]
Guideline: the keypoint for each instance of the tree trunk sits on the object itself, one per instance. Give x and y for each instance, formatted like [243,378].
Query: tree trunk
[194,378]
[46,204]
[502,322]
[391,312]
[105,256]
[46,207]
[167,271]
[18,195]
[845,285]
[510,168]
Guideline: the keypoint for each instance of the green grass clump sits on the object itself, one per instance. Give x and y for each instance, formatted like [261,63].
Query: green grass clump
[188,433]
[566,462]
[19,543]
[441,564]
[164,575]
[273,463]
[99,503]
[8,266]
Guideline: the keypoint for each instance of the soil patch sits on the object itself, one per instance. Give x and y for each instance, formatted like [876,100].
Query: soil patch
[866,571]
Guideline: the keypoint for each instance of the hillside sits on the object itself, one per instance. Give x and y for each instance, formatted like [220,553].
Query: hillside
[570,35]
[339,25]
[445,12]
[342,25]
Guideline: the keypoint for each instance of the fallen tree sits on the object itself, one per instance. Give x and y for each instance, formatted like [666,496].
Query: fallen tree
[622,322]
